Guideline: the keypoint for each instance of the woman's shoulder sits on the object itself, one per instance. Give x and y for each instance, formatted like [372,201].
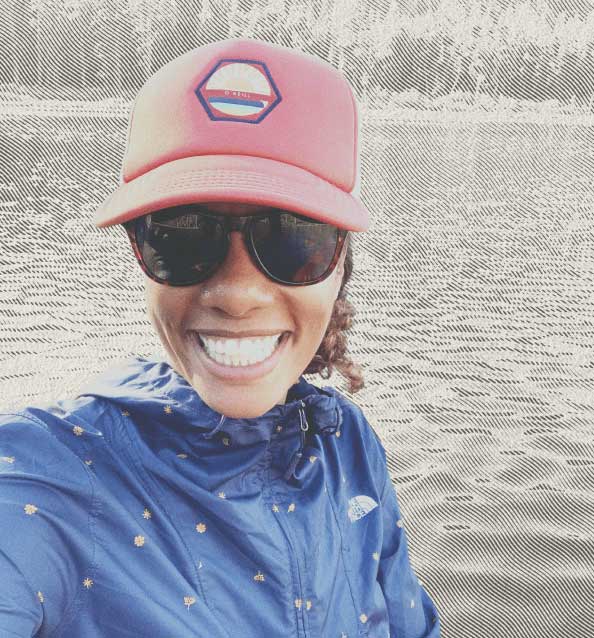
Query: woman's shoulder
[356,425]
[56,438]
[71,425]
[47,439]
[356,417]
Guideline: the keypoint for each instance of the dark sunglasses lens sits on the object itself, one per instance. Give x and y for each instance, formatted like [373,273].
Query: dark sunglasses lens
[186,248]
[293,248]
[180,248]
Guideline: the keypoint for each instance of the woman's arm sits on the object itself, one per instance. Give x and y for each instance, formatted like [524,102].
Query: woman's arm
[411,611]
[45,538]
[21,614]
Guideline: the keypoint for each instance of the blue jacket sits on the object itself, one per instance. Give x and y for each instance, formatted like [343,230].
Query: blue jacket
[135,510]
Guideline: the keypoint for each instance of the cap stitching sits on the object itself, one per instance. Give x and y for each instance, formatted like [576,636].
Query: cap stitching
[356,138]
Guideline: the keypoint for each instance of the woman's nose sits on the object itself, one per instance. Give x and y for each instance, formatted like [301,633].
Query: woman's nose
[238,286]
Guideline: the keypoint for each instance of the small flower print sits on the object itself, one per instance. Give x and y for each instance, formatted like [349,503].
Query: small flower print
[221,495]
[167,409]
[146,514]
[313,459]
[275,508]
[125,413]
[139,541]
[363,618]
[308,604]
[88,582]
[412,602]
[7,459]
[189,600]
[259,576]
[77,430]
[40,596]
[375,556]
[226,440]
[291,507]
[30,509]
[399,523]
[183,456]
[298,603]
[279,428]
[338,433]
[88,462]
[201,527]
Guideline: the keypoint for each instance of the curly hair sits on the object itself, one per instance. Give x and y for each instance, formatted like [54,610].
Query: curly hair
[333,350]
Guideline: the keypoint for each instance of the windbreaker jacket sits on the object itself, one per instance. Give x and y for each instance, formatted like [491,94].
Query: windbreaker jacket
[136,510]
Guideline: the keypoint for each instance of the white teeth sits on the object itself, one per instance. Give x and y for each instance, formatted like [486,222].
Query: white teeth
[240,352]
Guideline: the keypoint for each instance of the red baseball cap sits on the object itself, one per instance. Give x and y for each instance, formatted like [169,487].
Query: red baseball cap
[244,121]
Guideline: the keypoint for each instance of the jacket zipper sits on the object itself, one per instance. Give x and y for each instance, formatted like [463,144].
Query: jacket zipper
[304,427]
[303,422]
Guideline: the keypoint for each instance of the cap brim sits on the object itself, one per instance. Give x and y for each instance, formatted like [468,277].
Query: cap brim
[238,178]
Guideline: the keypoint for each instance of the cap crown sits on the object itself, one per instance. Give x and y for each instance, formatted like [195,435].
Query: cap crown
[246,97]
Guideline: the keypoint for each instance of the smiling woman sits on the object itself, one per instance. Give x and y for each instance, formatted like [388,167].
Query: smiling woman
[219,489]
[240,299]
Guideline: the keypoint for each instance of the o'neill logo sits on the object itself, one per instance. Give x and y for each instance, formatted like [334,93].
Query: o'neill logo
[359,506]
[238,91]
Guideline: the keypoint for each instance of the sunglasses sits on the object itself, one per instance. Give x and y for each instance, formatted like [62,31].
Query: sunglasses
[185,245]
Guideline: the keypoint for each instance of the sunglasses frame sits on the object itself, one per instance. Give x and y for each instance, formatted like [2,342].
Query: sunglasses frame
[231,223]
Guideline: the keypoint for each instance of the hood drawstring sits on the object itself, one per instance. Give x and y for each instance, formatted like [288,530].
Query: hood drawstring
[211,433]
[297,456]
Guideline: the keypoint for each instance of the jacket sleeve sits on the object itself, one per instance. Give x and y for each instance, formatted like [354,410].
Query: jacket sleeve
[44,528]
[20,609]
[411,612]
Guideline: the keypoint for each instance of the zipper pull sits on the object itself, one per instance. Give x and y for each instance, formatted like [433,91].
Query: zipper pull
[304,426]
[304,423]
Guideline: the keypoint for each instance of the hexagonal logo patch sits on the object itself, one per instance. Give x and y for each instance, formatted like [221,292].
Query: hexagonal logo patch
[238,91]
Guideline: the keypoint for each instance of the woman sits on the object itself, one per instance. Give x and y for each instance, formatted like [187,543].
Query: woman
[219,494]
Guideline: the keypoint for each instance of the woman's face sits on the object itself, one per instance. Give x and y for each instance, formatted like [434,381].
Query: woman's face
[236,298]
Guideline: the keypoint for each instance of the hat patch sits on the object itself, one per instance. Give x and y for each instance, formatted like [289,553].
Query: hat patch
[238,91]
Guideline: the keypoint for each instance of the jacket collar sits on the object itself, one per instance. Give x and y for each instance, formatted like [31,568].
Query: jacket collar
[149,385]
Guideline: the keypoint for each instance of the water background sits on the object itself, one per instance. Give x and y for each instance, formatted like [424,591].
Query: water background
[475,324]
[474,286]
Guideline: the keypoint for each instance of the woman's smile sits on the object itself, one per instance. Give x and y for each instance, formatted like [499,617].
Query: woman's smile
[240,363]
[239,351]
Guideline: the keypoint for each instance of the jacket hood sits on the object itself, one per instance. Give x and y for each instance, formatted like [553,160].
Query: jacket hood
[152,387]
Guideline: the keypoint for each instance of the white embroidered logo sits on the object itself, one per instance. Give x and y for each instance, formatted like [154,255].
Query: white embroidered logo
[359,506]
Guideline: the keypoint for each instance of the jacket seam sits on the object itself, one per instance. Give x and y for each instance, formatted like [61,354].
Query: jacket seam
[362,631]
[383,492]
[382,451]
[71,605]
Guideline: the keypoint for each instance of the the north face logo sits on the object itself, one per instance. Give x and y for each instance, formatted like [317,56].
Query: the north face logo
[359,506]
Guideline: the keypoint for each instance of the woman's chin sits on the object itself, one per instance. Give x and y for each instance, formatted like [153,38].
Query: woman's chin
[238,402]
[230,390]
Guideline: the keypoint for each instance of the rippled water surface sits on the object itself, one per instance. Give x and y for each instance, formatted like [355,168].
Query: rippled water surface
[475,296]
